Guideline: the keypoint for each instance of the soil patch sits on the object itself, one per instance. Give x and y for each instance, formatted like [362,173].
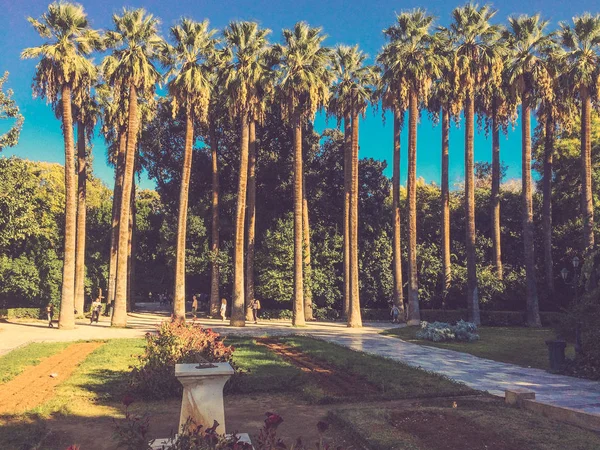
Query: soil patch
[36,385]
[438,430]
[332,380]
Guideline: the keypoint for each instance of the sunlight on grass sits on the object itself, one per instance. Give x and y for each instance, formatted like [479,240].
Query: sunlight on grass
[15,362]
[515,345]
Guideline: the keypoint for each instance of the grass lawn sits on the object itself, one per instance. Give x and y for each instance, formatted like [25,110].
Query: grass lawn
[395,380]
[516,345]
[84,406]
[13,363]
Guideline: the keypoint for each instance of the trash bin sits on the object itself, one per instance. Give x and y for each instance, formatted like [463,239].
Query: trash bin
[556,353]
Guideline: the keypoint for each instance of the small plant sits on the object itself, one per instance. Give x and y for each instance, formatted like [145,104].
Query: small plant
[442,331]
[176,342]
[132,432]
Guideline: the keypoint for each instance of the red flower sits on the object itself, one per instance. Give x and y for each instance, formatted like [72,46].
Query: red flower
[127,400]
[273,420]
[73,447]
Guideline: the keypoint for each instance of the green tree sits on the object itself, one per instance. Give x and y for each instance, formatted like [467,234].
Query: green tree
[242,75]
[417,64]
[581,43]
[62,69]
[9,110]
[190,89]
[130,71]
[478,63]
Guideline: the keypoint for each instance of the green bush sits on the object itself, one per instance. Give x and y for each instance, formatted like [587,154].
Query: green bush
[276,314]
[176,342]
[22,313]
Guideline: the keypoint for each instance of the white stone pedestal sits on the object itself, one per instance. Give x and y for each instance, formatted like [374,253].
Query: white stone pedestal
[203,394]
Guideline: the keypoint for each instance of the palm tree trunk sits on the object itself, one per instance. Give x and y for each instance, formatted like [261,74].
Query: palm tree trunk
[414,315]
[533,313]
[547,205]
[131,250]
[119,318]
[81,216]
[237,307]
[298,307]
[179,288]
[472,294]
[587,205]
[214,265]
[347,179]
[446,264]
[308,307]
[66,319]
[251,210]
[116,210]
[398,297]
[354,317]
[496,196]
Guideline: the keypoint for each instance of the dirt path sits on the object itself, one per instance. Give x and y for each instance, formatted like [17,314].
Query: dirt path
[329,377]
[36,384]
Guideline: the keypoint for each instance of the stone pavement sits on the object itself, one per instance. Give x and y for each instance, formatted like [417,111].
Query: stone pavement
[478,373]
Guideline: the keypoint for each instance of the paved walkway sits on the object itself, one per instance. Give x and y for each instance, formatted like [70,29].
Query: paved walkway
[478,373]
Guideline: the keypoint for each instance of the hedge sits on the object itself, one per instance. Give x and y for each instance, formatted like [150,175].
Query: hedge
[488,318]
[22,313]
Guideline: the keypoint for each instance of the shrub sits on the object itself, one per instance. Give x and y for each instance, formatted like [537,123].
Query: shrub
[441,331]
[276,314]
[176,342]
[22,313]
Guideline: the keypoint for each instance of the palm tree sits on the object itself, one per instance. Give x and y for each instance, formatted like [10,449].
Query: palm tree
[493,103]
[528,75]
[413,58]
[130,70]
[581,43]
[87,111]
[555,112]
[477,63]
[114,128]
[242,73]
[61,70]
[304,88]
[352,93]
[444,101]
[190,89]
[393,99]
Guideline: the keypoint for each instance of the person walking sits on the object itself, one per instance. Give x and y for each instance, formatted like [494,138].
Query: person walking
[194,306]
[395,313]
[96,308]
[255,305]
[50,313]
[223,309]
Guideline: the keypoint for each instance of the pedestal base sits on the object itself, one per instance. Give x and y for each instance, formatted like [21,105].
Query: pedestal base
[203,394]
[160,444]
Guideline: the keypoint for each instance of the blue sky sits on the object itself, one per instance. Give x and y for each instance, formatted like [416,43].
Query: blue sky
[348,22]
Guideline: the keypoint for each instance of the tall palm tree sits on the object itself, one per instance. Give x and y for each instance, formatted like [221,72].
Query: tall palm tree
[413,58]
[581,43]
[131,71]
[554,113]
[86,111]
[114,129]
[246,44]
[61,70]
[353,92]
[392,98]
[303,86]
[528,75]
[495,106]
[477,63]
[445,101]
[190,89]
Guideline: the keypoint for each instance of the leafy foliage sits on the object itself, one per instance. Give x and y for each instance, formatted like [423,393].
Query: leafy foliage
[9,110]
[176,342]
